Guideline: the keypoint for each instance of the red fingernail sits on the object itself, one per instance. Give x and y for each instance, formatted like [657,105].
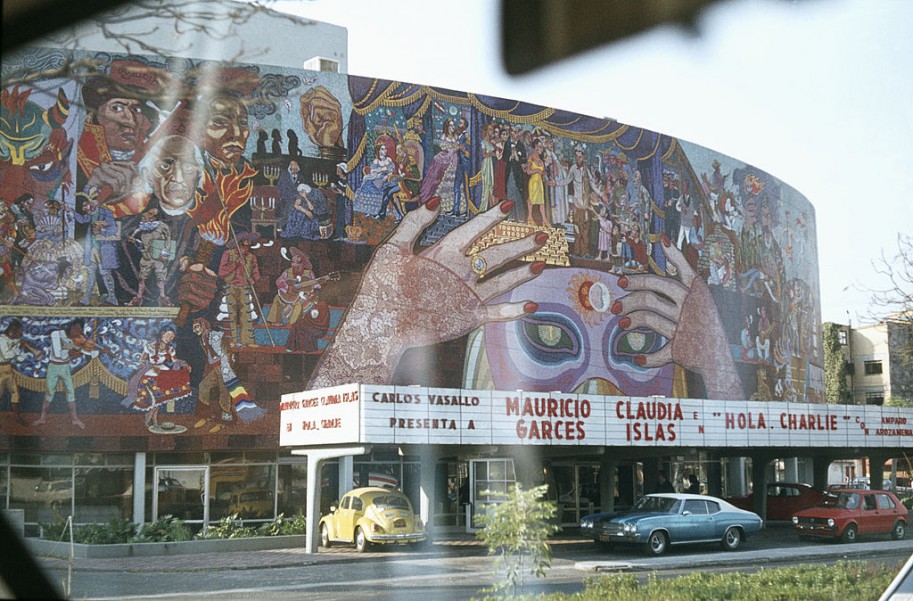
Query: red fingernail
[624,323]
[623,281]
[506,206]
[433,203]
[666,242]
[541,238]
[616,307]
[640,360]
[537,267]
[530,307]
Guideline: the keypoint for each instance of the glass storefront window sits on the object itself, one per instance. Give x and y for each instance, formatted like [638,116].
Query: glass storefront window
[245,490]
[46,494]
[103,494]
[178,459]
[180,492]
[123,459]
[4,483]
[25,459]
[292,489]
[491,480]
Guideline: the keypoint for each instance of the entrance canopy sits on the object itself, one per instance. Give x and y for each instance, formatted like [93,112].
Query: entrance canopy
[369,414]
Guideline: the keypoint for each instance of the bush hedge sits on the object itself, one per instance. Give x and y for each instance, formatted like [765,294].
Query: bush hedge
[169,529]
[844,580]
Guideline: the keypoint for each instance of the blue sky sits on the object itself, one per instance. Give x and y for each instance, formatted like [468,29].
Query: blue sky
[817,93]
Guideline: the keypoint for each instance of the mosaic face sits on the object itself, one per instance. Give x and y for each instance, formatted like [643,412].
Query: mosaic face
[573,339]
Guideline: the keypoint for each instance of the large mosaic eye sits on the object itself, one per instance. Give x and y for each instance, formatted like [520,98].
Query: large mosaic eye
[549,338]
[630,344]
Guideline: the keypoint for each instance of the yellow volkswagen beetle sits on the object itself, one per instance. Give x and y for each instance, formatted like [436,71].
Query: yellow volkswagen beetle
[372,515]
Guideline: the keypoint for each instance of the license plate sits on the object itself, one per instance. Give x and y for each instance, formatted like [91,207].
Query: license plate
[603,538]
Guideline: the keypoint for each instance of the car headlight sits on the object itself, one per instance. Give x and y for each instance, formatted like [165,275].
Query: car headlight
[830,522]
[795,520]
[630,529]
[377,528]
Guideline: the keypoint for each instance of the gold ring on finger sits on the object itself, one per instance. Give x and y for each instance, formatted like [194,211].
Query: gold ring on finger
[479,266]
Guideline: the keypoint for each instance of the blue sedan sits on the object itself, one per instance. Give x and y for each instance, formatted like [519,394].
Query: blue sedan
[657,521]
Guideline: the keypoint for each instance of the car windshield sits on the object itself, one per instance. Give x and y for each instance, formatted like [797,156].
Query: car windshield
[657,504]
[391,502]
[843,500]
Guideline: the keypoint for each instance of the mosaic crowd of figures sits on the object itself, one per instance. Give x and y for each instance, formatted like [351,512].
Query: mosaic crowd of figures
[194,239]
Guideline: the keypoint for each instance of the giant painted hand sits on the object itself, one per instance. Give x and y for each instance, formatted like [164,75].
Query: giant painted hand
[690,321]
[408,300]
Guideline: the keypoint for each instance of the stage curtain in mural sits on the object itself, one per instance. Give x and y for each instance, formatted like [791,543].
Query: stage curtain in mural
[647,148]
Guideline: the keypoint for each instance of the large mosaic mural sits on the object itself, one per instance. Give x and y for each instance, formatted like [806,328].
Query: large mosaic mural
[183,242]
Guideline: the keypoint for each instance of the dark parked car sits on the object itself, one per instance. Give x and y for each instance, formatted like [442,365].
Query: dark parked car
[784,499]
[590,523]
[850,513]
[657,521]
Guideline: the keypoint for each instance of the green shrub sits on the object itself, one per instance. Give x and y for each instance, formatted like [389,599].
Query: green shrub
[167,529]
[118,530]
[228,527]
[282,526]
[517,531]
[844,580]
[56,530]
[908,502]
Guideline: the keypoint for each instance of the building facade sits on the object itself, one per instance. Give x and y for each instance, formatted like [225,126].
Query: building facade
[186,241]
[878,360]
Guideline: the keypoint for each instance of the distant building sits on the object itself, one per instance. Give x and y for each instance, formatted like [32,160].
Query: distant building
[878,361]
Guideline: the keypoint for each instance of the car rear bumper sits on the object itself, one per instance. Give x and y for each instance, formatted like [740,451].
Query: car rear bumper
[398,538]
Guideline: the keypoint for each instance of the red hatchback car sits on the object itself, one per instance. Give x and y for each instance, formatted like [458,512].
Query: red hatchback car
[784,499]
[848,513]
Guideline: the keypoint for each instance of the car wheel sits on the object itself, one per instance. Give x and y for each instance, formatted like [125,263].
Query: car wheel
[899,530]
[849,534]
[732,539]
[361,541]
[657,543]
[325,537]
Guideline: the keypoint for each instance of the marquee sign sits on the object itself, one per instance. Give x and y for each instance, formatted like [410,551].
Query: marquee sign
[371,414]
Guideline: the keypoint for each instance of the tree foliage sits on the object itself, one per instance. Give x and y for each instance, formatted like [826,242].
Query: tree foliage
[517,530]
[196,25]
[895,301]
[835,372]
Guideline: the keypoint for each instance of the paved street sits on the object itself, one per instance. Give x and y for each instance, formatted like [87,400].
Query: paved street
[451,568]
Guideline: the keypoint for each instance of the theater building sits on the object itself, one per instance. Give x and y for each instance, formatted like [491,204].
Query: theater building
[196,254]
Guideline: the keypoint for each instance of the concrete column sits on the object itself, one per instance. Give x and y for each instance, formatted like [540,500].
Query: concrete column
[876,468]
[427,487]
[139,488]
[607,467]
[312,515]
[651,475]
[759,477]
[346,467]
[316,458]
[791,471]
[735,477]
[527,466]
[820,468]
[714,476]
